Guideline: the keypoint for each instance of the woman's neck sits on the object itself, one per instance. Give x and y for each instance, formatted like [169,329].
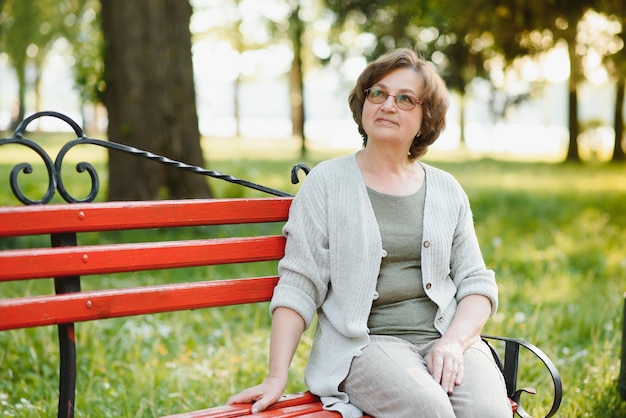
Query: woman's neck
[389,173]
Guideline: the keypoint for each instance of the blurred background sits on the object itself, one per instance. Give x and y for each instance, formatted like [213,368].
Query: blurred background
[538,80]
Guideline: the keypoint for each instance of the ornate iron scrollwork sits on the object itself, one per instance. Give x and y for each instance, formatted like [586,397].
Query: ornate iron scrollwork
[55,181]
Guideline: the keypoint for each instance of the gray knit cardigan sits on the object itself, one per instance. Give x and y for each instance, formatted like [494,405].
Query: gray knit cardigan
[332,259]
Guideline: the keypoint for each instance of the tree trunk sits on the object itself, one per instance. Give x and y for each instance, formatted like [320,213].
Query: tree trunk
[150,98]
[20,112]
[236,106]
[238,42]
[618,124]
[462,141]
[37,86]
[572,116]
[296,83]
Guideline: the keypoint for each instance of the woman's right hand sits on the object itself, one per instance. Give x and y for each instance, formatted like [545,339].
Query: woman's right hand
[263,395]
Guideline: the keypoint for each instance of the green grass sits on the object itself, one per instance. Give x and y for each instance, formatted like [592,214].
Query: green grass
[552,232]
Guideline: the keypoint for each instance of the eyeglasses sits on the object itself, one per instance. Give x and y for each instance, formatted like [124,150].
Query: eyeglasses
[403,101]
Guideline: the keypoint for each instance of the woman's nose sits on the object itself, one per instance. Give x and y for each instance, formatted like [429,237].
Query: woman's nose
[390,103]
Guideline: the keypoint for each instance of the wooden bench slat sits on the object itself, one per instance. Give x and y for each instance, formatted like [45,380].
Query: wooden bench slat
[226,411]
[324,414]
[303,404]
[307,410]
[102,259]
[290,411]
[102,304]
[85,217]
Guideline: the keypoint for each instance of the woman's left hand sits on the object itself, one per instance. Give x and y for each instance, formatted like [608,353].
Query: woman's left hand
[445,364]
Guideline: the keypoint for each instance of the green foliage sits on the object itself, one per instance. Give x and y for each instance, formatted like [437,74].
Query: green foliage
[552,233]
[29,29]
[88,45]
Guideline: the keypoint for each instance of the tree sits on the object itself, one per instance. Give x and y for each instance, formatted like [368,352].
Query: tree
[28,29]
[618,114]
[463,44]
[539,26]
[296,75]
[292,29]
[615,10]
[150,98]
[85,37]
[229,28]
[249,25]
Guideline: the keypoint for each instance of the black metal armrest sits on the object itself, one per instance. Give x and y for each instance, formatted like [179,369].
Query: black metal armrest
[510,366]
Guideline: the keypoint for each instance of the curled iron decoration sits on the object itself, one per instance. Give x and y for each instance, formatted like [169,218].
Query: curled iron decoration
[27,168]
[55,181]
[294,172]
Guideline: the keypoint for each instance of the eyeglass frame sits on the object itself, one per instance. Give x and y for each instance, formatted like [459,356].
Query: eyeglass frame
[395,98]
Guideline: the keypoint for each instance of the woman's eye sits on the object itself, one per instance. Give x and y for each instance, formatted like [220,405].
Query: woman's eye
[405,99]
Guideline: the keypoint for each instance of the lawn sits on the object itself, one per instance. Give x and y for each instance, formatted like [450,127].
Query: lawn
[552,232]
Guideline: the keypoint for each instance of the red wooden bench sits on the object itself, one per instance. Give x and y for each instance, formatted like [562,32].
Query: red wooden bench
[67,261]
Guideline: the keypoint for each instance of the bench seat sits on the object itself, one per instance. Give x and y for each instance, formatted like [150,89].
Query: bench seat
[303,404]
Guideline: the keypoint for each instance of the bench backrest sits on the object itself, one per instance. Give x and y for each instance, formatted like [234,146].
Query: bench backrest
[66,260]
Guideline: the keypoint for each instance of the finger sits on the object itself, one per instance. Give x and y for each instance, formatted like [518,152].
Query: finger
[447,379]
[452,374]
[258,407]
[263,403]
[460,375]
[238,398]
[435,365]
[247,396]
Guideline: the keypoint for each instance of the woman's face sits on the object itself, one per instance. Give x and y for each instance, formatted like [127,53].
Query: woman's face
[387,121]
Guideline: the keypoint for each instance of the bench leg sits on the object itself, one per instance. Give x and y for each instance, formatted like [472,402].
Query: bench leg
[67,337]
[67,378]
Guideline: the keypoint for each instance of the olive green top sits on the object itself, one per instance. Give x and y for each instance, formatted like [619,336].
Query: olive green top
[402,308]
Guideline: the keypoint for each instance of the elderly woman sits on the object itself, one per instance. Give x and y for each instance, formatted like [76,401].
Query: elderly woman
[382,248]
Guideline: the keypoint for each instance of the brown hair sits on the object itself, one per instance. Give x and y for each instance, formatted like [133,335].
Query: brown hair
[434,97]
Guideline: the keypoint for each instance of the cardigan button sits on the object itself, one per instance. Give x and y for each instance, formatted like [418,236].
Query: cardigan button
[428,285]
[426,244]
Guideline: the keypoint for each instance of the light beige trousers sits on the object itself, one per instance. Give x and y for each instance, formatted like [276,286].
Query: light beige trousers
[390,379]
